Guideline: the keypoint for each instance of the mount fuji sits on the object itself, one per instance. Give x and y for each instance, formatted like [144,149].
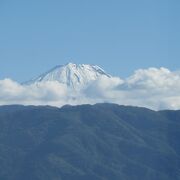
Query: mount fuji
[74,76]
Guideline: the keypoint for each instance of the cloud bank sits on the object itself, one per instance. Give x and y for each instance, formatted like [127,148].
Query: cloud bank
[152,88]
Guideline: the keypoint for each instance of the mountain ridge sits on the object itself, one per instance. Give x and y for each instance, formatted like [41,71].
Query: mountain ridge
[102,141]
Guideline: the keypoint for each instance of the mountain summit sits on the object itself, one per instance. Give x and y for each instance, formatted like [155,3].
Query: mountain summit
[74,76]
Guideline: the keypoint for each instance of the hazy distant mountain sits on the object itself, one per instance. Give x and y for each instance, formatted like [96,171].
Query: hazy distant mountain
[74,76]
[99,142]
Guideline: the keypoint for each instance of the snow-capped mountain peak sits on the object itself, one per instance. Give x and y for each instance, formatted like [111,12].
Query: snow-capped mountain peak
[73,75]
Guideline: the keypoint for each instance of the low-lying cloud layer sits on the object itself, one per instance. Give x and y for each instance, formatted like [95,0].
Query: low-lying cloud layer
[152,88]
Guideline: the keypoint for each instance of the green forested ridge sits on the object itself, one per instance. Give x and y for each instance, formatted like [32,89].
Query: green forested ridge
[89,142]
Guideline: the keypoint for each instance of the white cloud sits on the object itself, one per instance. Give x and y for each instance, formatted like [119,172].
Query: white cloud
[154,78]
[41,94]
[153,88]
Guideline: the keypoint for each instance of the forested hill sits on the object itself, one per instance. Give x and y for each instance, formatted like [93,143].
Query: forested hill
[89,142]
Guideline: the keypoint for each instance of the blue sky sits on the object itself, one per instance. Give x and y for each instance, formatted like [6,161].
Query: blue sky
[118,35]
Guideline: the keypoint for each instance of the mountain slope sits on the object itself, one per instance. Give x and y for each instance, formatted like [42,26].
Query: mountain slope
[74,76]
[99,142]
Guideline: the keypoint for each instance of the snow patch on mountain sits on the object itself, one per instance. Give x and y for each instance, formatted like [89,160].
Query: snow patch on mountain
[75,76]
